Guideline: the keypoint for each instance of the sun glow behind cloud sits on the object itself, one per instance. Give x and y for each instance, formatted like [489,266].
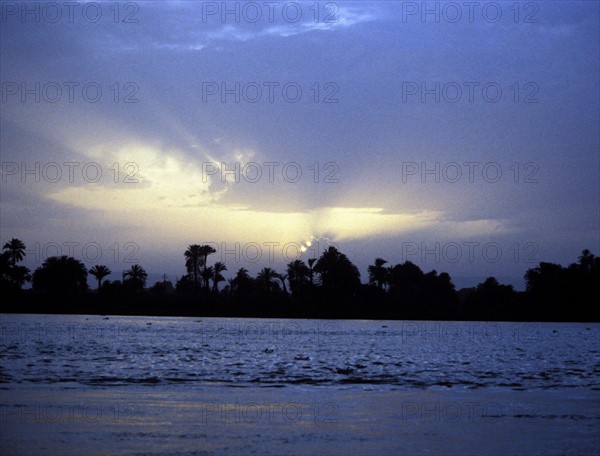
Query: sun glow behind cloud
[173,199]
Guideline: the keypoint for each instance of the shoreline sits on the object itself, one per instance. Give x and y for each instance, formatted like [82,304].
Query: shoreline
[265,313]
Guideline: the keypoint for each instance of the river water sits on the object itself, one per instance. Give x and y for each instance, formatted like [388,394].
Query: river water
[117,372]
[80,351]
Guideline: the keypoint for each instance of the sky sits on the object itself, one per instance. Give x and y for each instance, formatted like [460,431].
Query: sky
[463,137]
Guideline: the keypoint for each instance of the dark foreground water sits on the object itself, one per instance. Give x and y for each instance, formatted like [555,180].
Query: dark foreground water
[148,385]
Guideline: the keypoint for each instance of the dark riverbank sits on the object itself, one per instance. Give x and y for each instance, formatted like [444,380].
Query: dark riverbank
[368,304]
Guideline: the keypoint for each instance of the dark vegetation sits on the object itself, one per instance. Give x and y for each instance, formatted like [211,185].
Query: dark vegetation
[324,287]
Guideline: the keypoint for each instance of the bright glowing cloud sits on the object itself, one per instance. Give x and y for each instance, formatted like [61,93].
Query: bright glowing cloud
[174,198]
[345,223]
[147,178]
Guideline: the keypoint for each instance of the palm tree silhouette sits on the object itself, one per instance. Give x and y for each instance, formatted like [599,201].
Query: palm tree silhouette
[282,278]
[543,277]
[311,270]
[241,284]
[16,250]
[298,275]
[378,273]
[586,260]
[207,274]
[99,272]
[12,274]
[336,271]
[217,277]
[206,250]
[196,262]
[5,268]
[20,275]
[136,276]
[230,287]
[193,261]
[267,279]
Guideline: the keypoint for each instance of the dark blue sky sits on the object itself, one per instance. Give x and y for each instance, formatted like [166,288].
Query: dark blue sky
[466,141]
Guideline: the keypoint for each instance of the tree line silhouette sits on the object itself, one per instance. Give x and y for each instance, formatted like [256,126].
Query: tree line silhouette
[324,287]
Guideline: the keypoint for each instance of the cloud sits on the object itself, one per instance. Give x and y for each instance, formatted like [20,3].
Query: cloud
[347,223]
[144,177]
[474,228]
[163,194]
[330,19]
[344,17]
